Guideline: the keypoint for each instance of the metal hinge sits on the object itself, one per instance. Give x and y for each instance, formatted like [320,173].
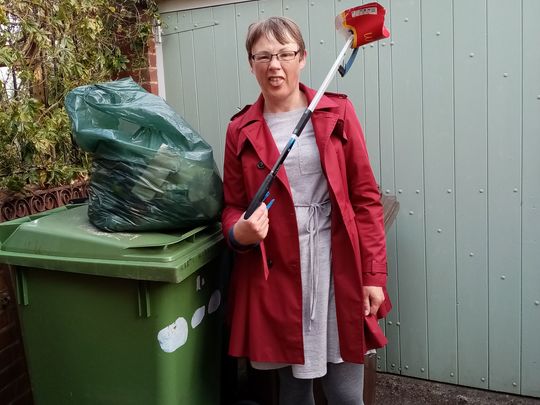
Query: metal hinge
[176,29]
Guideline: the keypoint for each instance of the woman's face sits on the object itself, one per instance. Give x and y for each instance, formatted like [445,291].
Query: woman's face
[278,80]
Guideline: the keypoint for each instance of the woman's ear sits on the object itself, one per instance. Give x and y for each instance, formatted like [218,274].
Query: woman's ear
[303,60]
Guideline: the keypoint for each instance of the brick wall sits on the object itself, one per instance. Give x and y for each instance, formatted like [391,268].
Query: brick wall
[14,381]
[146,77]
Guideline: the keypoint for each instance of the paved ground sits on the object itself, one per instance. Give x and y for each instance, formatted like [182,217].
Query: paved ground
[399,390]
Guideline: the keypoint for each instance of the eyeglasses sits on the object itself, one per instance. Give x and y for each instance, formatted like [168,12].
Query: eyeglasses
[266,57]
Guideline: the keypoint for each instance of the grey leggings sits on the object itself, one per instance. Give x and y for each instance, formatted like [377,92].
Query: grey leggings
[343,384]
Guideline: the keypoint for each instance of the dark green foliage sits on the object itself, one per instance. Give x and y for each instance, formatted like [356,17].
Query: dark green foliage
[48,48]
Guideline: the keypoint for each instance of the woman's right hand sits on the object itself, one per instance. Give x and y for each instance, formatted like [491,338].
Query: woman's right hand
[254,229]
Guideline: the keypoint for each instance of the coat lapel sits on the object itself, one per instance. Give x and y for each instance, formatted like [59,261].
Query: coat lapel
[324,119]
[253,128]
[256,132]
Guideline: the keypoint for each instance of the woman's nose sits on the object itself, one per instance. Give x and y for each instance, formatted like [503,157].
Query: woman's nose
[274,62]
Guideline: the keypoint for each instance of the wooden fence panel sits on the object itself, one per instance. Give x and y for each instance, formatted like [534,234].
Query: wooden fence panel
[530,220]
[439,193]
[408,144]
[470,110]
[449,106]
[504,192]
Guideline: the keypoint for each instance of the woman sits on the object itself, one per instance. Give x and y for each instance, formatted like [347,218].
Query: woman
[309,277]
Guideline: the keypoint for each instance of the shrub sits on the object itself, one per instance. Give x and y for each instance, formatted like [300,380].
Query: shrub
[46,49]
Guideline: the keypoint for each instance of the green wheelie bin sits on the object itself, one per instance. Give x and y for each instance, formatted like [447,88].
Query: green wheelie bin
[117,318]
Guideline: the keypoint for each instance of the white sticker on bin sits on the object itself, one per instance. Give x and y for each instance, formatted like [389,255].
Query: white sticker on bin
[214,302]
[200,282]
[173,336]
[197,317]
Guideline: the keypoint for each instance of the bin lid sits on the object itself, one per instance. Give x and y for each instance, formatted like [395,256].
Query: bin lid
[64,240]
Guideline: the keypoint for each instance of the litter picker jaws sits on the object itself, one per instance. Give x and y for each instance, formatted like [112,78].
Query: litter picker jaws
[361,25]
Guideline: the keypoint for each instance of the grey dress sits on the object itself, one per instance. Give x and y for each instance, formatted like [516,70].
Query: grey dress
[312,205]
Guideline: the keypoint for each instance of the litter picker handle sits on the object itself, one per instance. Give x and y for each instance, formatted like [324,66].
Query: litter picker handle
[259,195]
[265,186]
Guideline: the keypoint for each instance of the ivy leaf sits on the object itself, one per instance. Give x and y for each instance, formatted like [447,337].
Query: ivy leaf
[55,46]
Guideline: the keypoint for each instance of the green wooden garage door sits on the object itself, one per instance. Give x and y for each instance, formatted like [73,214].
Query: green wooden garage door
[451,109]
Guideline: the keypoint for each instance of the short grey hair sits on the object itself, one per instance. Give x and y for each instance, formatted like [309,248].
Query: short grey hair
[283,29]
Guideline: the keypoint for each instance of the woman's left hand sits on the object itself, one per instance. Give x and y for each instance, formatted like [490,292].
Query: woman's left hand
[373,298]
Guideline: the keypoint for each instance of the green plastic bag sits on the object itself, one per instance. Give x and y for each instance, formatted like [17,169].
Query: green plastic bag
[150,170]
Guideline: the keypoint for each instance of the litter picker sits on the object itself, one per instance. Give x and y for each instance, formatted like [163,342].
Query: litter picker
[361,25]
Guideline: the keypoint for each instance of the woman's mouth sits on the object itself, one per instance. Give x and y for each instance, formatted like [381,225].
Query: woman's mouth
[275,80]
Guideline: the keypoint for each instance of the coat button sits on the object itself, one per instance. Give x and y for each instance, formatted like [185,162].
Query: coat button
[269,262]
[260,165]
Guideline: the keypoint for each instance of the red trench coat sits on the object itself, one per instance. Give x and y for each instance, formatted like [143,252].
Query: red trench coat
[265,313]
